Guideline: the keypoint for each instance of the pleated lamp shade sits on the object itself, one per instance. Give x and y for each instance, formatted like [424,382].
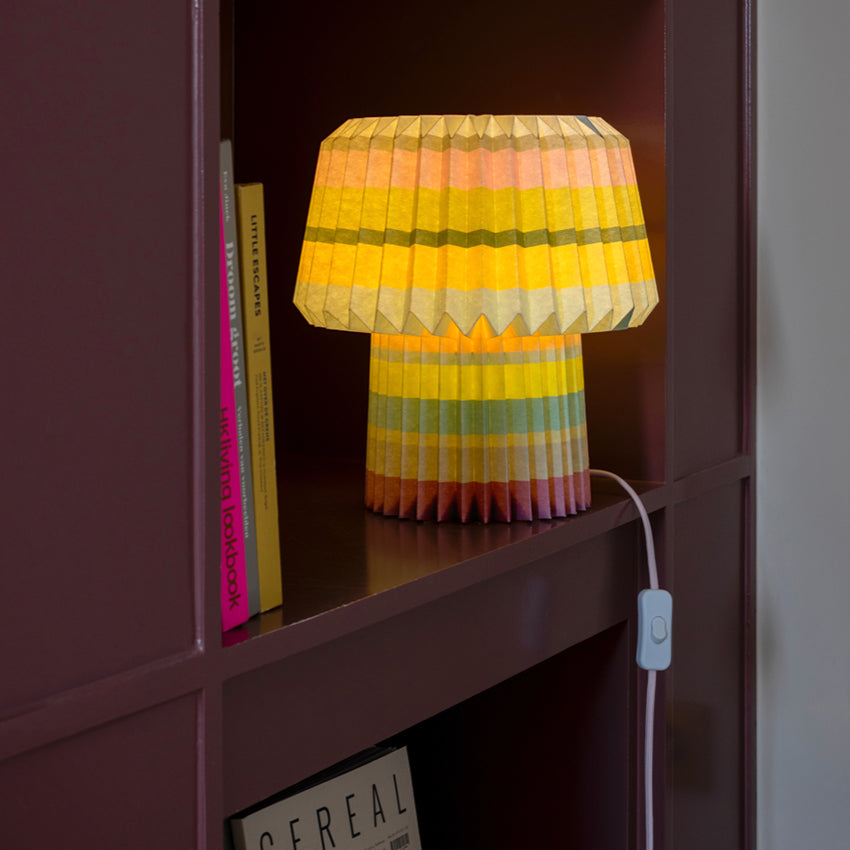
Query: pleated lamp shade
[476,249]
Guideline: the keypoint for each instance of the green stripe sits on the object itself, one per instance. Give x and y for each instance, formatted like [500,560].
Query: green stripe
[504,416]
[475,238]
[624,322]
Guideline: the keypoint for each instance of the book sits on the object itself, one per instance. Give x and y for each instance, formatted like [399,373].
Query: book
[365,804]
[251,238]
[237,356]
[234,589]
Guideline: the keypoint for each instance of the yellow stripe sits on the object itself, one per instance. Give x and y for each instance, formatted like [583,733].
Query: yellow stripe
[482,383]
[495,210]
[499,268]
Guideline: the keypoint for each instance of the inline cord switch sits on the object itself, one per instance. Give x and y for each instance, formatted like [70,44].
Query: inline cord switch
[655,621]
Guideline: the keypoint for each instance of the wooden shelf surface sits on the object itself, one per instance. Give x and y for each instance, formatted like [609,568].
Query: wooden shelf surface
[346,568]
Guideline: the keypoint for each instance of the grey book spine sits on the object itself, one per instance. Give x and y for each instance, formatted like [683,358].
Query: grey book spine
[228,199]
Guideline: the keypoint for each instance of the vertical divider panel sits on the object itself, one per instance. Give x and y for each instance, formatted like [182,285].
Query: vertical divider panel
[705,232]
[707,688]
[211,816]
[212,76]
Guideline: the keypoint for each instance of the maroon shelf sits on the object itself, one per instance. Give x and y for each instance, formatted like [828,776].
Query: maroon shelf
[355,567]
[501,655]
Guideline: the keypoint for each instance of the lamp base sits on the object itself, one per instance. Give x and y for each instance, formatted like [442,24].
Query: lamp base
[476,429]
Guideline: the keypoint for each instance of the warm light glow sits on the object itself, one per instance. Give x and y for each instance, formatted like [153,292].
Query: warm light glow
[475,249]
[476,428]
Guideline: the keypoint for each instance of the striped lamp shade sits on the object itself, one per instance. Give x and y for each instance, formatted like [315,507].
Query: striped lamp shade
[475,249]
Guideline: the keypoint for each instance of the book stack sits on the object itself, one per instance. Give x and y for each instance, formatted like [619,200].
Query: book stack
[250,541]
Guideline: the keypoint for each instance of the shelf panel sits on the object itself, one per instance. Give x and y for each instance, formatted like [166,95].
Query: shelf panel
[341,696]
[98,554]
[361,568]
[103,701]
[104,788]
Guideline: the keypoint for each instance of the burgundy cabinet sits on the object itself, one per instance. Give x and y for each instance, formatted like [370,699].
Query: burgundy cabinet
[502,656]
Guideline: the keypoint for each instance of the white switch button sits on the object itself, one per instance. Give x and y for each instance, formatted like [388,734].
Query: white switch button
[655,616]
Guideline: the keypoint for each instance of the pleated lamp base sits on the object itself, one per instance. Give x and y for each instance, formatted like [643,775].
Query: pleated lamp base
[476,429]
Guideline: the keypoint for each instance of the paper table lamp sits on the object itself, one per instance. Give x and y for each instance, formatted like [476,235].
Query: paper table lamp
[476,249]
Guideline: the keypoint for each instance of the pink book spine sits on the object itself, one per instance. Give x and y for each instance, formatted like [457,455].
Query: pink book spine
[234,592]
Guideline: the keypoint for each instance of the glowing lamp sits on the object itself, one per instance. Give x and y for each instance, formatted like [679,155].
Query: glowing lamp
[475,249]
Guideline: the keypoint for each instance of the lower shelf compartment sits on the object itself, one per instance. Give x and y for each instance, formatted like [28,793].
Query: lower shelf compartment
[292,717]
[544,758]
[541,760]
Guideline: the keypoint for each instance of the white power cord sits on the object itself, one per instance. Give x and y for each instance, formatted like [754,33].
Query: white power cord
[647,529]
[654,652]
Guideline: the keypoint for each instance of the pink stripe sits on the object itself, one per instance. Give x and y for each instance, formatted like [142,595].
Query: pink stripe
[448,501]
[453,168]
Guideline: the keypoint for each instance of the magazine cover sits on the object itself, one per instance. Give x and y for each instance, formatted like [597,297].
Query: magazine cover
[369,807]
